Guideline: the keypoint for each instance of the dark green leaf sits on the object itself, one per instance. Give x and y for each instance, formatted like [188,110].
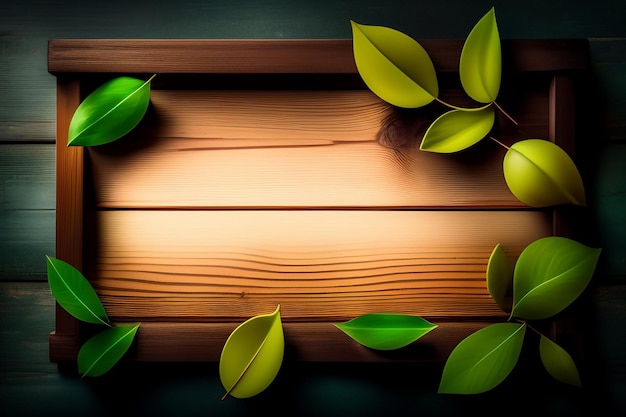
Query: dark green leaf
[541,174]
[252,355]
[480,67]
[500,278]
[98,355]
[457,130]
[483,359]
[550,274]
[74,293]
[110,112]
[558,362]
[394,66]
[386,331]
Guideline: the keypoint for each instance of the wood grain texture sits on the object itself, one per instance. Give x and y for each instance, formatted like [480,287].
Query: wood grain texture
[27,177]
[26,88]
[319,265]
[291,56]
[69,213]
[27,204]
[26,236]
[241,193]
[209,149]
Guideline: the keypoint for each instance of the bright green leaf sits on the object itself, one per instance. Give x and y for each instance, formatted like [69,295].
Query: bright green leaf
[500,277]
[394,66]
[483,359]
[480,67]
[550,274]
[558,362]
[457,130]
[110,112]
[541,174]
[386,331]
[252,355]
[98,354]
[74,293]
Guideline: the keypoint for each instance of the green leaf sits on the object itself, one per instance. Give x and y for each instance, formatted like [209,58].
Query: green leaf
[98,354]
[483,359]
[252,355]
[457,130]
[500,278]
[558,362]
[386,331]
[110,112]
[74,293]
[394,66]
[541,174]
[550,274]
[480,67]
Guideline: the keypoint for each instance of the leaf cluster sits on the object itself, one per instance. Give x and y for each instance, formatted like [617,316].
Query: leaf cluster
[250,359]
[549,275]
[74,293]
[551,272]
[399,70]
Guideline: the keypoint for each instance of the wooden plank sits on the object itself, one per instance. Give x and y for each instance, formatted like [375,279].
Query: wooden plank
[26,236]
[27,177]
[27,90]
[229,148]
[326,343]
[319,265]
[69,213]
[281,55]
[27,310]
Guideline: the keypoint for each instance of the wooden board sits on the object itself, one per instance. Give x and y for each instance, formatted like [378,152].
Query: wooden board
[266,173]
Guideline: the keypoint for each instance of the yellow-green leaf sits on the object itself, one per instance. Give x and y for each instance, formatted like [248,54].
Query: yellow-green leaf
[480,67]
[109,112]
[252,355]
[386,331]
[558,362]
[457,130]
[98,354]
[394,66]
[541,174]
[500,278]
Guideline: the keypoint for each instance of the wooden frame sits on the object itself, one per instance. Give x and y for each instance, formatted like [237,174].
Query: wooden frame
[293,66]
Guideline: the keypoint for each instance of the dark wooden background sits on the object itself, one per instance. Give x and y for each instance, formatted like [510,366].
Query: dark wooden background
[30,385]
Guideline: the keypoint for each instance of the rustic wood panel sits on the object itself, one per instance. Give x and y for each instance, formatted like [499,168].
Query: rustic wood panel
[319,265]
[26,236]
[27,177]
[285,56]
[294,149]
[27,203]
[160,216]
[26,87]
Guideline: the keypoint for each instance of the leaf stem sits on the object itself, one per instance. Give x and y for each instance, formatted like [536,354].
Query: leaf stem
[505,113]
[499,143]
[531,327]
[452,106]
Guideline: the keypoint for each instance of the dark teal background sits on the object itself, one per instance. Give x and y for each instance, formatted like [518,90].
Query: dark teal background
[32,386]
